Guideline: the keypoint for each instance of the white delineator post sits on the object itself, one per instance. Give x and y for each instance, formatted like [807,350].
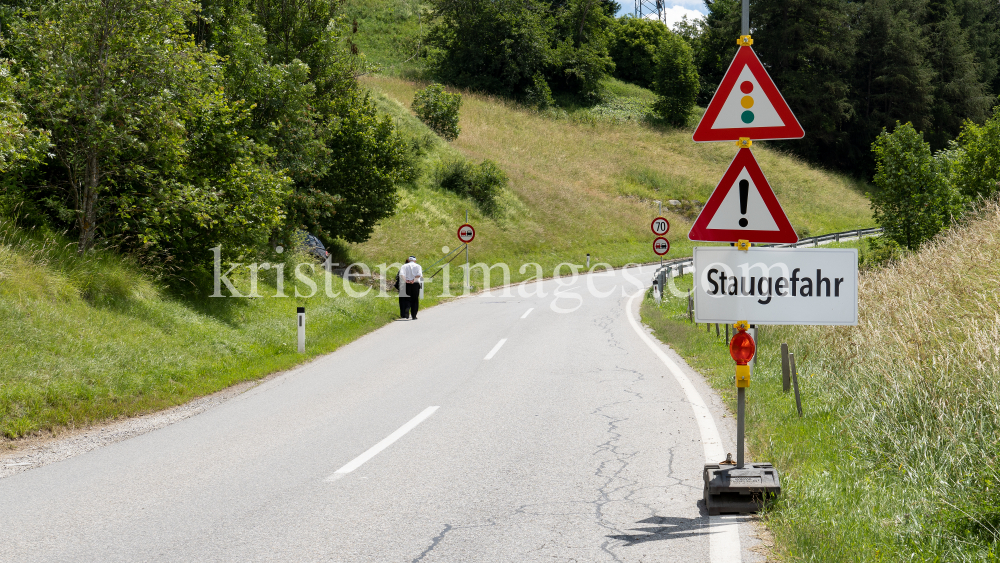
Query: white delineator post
[302,328]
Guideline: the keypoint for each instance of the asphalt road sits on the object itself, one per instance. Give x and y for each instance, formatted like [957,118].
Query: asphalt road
[495,428]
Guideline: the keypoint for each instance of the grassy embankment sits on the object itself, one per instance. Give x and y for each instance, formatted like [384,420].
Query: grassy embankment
[93,338]
[895,457]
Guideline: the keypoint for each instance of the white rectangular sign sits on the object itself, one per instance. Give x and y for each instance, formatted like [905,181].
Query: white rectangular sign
[778,286]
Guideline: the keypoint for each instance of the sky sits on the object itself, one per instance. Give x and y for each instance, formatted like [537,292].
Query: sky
[691,8]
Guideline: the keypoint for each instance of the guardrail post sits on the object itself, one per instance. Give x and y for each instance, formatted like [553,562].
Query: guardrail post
[837,239]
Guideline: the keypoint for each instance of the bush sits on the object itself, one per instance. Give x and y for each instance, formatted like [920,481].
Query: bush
[481,183]
[540,95]
[914,197]
[676,81]
[978,173]
[633,48]
[439,110]
[879,252]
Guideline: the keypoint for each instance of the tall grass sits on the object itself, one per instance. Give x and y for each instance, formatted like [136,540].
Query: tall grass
[895,459]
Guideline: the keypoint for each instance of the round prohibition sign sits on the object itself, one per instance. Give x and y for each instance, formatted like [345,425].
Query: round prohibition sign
[661,246]
[466,233]
[660,226]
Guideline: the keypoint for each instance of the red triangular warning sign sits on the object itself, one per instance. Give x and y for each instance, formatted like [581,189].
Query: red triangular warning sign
[747,104]
[743,206]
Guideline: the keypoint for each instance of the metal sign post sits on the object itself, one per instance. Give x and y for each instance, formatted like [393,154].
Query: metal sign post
[743,210]
[466,234]
[745,27]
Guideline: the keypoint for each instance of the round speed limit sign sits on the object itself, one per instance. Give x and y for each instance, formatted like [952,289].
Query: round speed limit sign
[660,226]
[466,233]
[661,246]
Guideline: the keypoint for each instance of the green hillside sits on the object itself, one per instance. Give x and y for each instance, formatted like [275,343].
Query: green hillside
[583,184]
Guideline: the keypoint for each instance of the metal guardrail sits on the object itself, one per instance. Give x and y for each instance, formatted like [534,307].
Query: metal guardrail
[685,263]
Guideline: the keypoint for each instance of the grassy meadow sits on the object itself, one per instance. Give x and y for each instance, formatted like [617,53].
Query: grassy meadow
[895,456]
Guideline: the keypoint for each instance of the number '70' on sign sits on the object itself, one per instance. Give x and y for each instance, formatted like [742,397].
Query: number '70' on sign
[660,226]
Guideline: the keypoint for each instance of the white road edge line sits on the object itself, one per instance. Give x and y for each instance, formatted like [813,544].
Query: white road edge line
[724,532]
[495,349]
[374,450]
[526,313]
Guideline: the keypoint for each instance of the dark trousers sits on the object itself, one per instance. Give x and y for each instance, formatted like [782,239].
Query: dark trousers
[409,300]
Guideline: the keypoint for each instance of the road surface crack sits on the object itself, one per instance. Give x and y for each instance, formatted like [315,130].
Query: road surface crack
[434,543]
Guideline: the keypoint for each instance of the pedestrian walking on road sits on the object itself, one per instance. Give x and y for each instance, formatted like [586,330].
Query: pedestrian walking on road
[411,279]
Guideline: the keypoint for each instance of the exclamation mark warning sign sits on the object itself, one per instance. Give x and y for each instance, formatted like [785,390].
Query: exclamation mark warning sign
[741,204]
[743,207]
[744,195]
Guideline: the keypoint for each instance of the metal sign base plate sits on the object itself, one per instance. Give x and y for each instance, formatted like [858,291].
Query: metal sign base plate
[739,491]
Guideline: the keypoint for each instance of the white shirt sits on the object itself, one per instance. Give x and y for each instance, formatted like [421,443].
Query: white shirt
[411,272]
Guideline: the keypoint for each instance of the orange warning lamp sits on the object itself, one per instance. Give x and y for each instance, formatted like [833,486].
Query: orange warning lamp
[742,349]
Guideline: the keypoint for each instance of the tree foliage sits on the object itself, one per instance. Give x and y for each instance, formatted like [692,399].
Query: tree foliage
[676,81]
[850,69]
[495,46]
[914,198]
[503,46]
[177,126]
[633,48]
[715,45]
[482,183]
[978,166]
[123,89]
[18,141]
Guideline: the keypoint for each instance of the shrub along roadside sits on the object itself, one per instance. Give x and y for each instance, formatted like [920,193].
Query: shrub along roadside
[894,459]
